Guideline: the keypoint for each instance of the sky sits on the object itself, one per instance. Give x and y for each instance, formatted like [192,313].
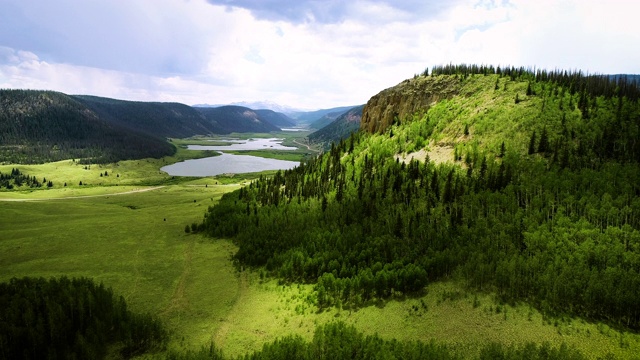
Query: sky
[307,54]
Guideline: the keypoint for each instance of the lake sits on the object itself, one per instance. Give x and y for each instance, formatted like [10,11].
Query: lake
[231,163]
[250,144]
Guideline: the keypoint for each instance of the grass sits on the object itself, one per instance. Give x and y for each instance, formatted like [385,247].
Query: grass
[136,244]
[447,314]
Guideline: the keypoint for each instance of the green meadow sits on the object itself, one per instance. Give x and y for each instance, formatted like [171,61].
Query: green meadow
[135,242]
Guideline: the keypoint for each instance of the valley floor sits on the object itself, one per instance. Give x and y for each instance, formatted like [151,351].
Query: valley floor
[136,243]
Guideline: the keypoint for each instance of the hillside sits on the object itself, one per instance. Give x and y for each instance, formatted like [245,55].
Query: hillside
[308,117]
[276,119]
[44,126]
[326,119]
[231,118]
[516,182]
[158,119]
[341,128]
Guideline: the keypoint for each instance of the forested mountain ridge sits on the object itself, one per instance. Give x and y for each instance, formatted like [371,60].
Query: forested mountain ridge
[42,126]
[341,128]
[153,118]
[538,199]
[275,118]
[231,118]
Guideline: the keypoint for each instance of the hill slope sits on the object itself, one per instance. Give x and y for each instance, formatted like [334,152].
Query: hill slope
[341,128]
[308,117]
[41,126]
[230,118]
[512,181]
[153,118]
[276,119]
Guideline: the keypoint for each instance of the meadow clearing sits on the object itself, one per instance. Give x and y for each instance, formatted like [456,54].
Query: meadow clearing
[127,230]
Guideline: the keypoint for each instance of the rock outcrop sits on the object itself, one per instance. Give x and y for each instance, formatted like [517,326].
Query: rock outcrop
[402,101]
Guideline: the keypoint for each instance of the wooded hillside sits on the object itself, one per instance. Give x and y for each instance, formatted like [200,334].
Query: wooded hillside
[518,182]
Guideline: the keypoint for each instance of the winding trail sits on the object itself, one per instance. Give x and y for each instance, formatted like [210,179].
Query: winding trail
[89,196]
[220,336]
[179,301]
[307,146]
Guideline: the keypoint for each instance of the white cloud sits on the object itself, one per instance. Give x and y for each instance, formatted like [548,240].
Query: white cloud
[193,52]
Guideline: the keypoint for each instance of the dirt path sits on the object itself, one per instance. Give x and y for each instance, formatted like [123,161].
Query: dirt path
[179,301]
[220,335]
[307,146]
[88,196]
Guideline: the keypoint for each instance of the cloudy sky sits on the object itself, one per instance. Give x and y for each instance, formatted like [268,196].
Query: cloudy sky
[302,53]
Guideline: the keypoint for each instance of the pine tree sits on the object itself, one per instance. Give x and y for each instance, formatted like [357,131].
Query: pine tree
[532,143]
[543,146]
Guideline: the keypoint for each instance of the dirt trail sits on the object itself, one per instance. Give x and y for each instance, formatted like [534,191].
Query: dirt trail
[307,146]
[178,300]
[88,196]
[220,335]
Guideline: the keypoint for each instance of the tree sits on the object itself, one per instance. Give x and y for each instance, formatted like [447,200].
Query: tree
[532,143]
[543,146]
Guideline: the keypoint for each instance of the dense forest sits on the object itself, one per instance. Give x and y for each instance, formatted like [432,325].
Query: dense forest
[338,341]
[341,128]
[44,126]
[71,319]
[231,118]
[538,199]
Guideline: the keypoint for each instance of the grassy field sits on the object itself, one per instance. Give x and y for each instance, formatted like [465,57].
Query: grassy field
[136,243]
[447,313]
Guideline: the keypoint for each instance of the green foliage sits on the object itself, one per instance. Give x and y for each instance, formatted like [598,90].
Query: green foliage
[339,129]
[512,223]
[45,126]
[62,318]
[16,179]
[339,341]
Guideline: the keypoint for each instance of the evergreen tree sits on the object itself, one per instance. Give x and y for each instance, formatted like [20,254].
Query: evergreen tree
[532,143]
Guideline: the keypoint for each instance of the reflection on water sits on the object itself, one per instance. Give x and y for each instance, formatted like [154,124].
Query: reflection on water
[251,144]
[230,163]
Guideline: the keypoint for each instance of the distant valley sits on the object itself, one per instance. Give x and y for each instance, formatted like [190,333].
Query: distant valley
[42,126]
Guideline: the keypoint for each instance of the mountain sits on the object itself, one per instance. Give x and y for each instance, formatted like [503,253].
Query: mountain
[341,128]
[308,117]
[153,118]
[230,118]
[268,105]
[275,118]
[326,119]
[518,182]
[42,126]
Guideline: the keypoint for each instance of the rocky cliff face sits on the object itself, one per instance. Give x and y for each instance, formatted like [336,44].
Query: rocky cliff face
[406,99]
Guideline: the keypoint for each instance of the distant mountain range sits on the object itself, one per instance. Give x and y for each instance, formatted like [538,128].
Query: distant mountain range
[258,105]
[42,126]
[340,128]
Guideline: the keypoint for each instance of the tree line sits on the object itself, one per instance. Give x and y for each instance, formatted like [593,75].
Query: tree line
[339,341]
[557,227]
[64,318]
[46,126]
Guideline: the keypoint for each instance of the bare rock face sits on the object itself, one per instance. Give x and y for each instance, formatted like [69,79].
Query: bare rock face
[402,101]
